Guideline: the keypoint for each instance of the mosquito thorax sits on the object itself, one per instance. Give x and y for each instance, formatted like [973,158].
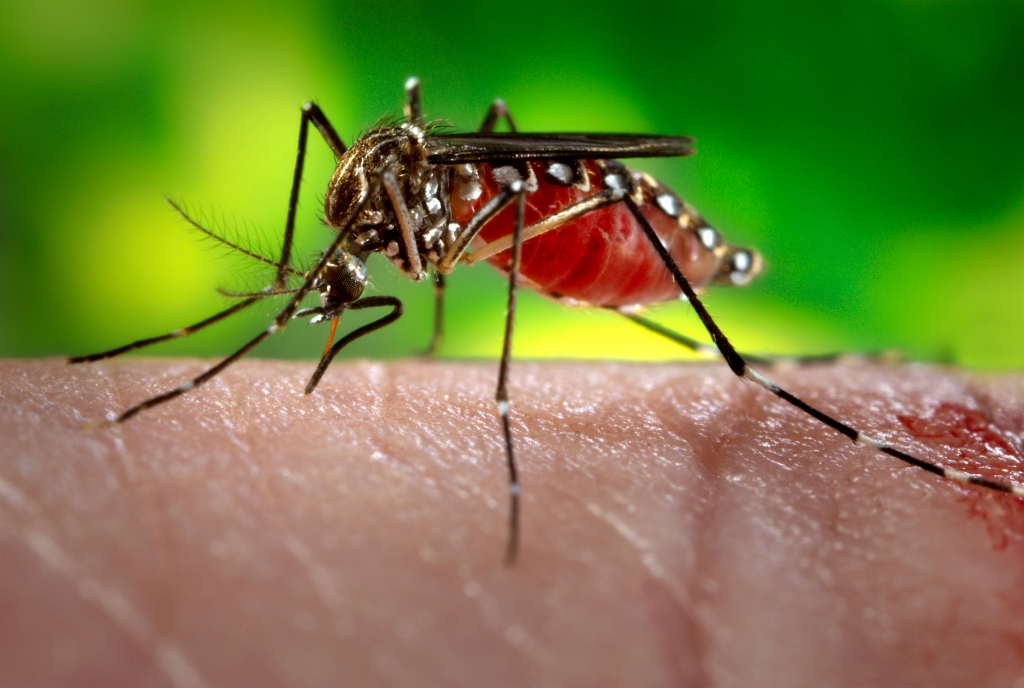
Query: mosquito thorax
[379,149]
[422,189]
[343,280]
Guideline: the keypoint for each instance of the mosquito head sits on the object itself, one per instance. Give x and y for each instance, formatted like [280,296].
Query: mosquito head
[344,278]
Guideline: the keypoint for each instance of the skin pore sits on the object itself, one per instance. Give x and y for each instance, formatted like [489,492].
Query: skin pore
[680,527]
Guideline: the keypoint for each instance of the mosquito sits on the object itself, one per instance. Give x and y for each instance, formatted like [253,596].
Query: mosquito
[556,213]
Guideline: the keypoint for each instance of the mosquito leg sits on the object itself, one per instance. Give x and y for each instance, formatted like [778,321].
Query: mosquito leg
[196,381]
[368,302]
[405,225]
[283,269]
[769,360]
[183,332]
[501,395]
[545,225]
[435,337]
[497,111]
[740,367]
[681,339]
[413,108]
[311,113]
[472,228]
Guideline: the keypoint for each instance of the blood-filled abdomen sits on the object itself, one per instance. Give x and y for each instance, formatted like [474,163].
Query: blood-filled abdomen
[602,258]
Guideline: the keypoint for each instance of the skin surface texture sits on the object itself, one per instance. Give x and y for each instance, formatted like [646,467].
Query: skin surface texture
[680,528]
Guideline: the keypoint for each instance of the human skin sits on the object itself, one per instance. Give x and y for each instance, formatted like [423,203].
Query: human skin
[680,527]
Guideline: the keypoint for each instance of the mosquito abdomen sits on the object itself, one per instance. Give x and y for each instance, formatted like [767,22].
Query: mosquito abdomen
[601,258]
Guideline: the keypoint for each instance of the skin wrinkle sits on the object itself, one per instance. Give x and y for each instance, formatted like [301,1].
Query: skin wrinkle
[675,592]
[706,453]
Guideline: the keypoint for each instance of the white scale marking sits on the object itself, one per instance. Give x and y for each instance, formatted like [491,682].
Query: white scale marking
[615,181]
[506,175]
[709,238]
[669,204]
[430,187]
[741,262]
[560,172]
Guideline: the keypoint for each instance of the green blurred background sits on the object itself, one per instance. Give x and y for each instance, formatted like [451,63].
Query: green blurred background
[873,151]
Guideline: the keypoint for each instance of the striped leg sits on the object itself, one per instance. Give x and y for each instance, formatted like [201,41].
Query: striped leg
[742,369]
[769,360]
[501,395]
[193,383]
[183,332]
[311,113]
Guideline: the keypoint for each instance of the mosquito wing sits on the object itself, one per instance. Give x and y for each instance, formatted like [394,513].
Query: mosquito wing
[453,149]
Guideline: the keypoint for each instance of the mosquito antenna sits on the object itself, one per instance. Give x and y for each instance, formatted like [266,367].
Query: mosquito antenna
[250,298]
[740,367]
[183,332]
[247,294]
[230,244]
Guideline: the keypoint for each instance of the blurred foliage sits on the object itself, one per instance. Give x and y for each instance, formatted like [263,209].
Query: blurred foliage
[873,151]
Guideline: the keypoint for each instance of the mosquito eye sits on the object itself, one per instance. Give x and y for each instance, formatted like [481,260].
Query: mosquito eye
[345,277]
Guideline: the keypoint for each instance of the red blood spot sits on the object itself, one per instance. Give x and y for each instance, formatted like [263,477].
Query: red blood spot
[971,443]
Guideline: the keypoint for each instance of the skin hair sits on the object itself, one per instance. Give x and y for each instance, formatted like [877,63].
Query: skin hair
[680,527]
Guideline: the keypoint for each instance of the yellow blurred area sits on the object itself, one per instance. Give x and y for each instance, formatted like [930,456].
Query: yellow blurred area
[133,238]
[977,283]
